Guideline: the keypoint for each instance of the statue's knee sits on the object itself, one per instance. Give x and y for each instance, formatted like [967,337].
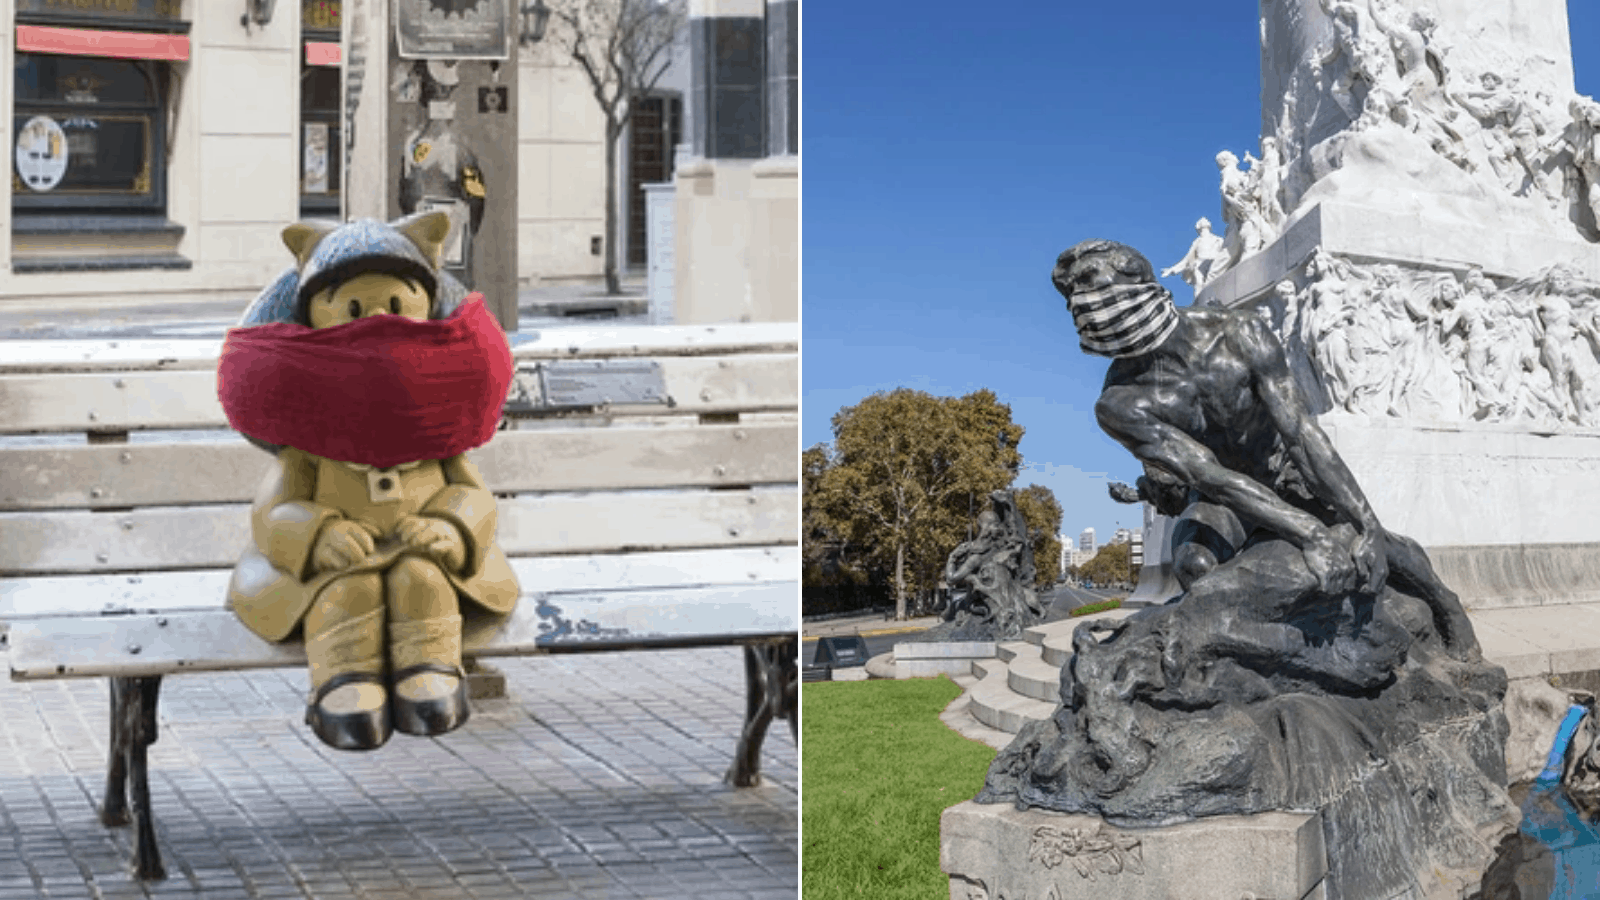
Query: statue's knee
[349,596]
[413,575]
[1190,561]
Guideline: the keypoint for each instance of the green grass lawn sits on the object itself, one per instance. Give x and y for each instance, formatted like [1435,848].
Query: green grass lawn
[877,769]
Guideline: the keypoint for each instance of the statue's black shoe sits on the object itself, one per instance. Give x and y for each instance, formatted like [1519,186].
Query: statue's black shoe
[434,715]
[363,730]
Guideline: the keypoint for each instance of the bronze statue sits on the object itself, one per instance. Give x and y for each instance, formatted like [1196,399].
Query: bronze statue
[1309,642]
[991,578]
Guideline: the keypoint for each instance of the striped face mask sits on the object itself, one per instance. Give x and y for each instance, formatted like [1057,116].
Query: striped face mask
[1122,320]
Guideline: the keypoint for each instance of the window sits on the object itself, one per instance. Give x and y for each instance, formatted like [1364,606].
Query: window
[90,135]
[321,149]
[656,130]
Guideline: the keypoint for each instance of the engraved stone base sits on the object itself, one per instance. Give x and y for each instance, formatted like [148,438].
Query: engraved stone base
[994,851]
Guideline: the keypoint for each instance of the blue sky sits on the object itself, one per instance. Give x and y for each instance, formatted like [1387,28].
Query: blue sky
[952,151]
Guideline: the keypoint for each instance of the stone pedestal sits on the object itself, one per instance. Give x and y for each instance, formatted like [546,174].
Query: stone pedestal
[992,851]
[1157,582]
[932,658]
[1420,234]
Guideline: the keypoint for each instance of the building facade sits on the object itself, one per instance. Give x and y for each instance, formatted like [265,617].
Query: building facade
[160,146]
[738,183]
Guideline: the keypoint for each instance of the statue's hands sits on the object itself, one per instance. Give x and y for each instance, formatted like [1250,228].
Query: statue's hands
[440,539]
[342,544]
[1372,567]
[1124,493]
[1328,556]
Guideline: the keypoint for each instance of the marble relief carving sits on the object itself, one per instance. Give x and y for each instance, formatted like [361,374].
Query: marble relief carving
[1091,852]
[1447,346]
[1414,97]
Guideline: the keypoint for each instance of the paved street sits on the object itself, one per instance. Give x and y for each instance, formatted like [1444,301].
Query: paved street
[600,776]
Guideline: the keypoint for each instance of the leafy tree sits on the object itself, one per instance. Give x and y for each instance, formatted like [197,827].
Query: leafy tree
[896,480]
[623,47]
[1110,565]
[826,556]
[1043,513]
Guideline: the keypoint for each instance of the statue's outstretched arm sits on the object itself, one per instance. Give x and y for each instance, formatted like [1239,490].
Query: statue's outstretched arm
[1310,449]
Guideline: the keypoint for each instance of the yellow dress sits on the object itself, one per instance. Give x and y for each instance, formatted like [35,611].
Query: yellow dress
[273,584]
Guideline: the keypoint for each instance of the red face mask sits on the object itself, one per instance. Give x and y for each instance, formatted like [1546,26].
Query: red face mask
[379,391]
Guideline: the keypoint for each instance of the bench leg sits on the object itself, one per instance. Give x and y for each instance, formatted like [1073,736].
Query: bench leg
[771,675]
[114,811]
[133,729]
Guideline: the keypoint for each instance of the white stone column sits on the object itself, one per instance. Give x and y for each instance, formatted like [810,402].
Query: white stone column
[1399,196]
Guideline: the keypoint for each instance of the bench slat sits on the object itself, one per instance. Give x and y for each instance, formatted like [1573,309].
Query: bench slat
[155,538]
[188,399]
[567,342]
[62,595]
[139,645]
[564,459]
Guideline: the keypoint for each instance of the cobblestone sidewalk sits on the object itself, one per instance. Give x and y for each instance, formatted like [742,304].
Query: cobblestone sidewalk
[600,776]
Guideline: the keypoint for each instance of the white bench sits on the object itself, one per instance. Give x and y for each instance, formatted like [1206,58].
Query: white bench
[648,485]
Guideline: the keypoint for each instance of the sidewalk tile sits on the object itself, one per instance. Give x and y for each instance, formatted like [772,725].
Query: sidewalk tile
[599,777]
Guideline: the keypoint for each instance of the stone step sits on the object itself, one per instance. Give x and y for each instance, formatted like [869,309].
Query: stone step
[1057,649]
[984,668]
[958,718]
[1009,650]
[996,705]
[1034,678]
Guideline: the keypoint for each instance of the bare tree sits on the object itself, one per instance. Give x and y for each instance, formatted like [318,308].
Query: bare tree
[624,47]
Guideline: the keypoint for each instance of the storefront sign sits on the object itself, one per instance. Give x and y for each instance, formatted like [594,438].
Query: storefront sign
[41,153]
[454,29]
[95,42]
[157,10]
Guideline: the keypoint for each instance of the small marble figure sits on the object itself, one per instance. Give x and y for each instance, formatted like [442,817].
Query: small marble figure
[1513,130]
[1585,147]
[1207,256]
[1467,314]
[1246,229]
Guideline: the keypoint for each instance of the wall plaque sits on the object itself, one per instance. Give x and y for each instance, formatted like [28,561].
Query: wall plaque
[453,29]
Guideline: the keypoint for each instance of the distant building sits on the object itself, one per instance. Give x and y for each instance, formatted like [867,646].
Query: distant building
[1122,536]
[1086,541]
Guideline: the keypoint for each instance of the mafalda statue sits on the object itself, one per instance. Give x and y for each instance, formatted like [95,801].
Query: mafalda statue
[369,372]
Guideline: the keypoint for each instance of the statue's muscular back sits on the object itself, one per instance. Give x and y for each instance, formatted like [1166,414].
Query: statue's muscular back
[1202,381]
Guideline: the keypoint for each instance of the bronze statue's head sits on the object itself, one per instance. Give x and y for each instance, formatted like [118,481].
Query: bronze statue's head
[1117,305]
